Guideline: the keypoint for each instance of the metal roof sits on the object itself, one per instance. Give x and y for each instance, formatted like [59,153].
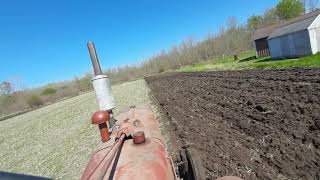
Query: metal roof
[264,32]
[267,31]
[291,28]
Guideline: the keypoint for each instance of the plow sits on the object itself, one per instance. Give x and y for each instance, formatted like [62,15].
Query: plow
[132,145]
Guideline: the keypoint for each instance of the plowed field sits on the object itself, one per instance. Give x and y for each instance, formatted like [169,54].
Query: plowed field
[256,124]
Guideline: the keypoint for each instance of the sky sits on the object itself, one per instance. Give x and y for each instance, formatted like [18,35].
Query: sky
[44,41]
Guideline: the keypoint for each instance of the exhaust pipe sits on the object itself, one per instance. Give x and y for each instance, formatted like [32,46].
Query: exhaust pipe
[94,59]
[101,85]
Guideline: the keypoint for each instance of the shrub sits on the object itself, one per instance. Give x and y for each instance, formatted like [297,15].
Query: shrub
[161,69]
[34,101]
[83,83]
[48,91]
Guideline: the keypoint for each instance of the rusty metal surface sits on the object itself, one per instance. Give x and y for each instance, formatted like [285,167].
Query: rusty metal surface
[139,137]
[104,132]
[148,160]
[101,118]
[94,58]
[101,160]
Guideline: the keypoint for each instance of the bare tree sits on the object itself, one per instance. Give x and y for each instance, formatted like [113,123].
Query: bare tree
[6,88]
[232,22]
[313,5]
[77,82]
[17,83]
[310,5]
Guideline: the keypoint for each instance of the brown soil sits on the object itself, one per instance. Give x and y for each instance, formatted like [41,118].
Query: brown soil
[256,124]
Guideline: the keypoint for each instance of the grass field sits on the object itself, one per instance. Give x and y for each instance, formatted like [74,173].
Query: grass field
[57,140]
[260,63]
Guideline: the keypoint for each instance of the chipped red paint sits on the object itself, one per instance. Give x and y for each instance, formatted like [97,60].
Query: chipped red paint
[148,160]
[144,161]
[138,137]
[100,118]
[101,160]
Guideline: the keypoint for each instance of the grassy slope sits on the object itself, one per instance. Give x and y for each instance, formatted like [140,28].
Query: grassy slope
[57,140]
[262,63]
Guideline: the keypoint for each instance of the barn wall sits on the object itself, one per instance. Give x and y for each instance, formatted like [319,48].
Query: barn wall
[291,45]
[318,39]
[314,33]
[315,23]
[315,40]
[275,48]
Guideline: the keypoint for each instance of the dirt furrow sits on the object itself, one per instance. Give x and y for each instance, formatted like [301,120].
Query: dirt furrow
[256,124]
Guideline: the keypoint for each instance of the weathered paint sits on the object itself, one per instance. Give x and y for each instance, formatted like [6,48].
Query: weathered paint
[291,45]
[101,118]
[101,160]
[139,137]
[148,160]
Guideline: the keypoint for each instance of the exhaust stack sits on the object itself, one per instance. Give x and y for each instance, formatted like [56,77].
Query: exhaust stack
[101,85]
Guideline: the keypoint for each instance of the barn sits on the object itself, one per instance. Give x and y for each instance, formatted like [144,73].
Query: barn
[295,40]
[296,37]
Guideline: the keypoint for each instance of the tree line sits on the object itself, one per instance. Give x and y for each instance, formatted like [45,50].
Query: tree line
[14,100]
[231,39]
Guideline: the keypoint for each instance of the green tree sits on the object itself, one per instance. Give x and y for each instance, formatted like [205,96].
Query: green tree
[287,9]
[268,18]
[48,91]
